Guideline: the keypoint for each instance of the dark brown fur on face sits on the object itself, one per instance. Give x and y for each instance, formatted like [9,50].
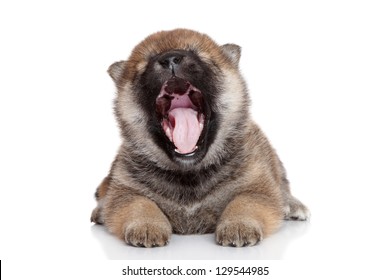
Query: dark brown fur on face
[226,178]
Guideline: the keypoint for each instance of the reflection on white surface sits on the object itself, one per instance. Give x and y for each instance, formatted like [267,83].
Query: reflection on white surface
[202,246]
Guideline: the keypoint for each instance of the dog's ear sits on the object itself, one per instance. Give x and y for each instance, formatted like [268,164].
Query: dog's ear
[116,70]
[233,52]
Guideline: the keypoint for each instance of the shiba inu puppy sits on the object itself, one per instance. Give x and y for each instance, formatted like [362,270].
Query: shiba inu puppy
[191,160]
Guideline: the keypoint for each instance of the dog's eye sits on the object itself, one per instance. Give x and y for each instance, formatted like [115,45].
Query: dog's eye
[192,65]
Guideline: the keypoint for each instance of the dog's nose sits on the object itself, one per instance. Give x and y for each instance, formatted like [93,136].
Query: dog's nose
[171,61]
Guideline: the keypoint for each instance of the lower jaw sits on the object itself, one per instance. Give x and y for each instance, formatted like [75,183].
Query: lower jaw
[190,154]
[188,161]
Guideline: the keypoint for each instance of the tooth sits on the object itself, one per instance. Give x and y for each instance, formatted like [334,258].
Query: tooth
[189,154]
[168,133]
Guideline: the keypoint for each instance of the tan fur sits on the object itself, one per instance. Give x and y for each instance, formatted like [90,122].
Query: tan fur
[102,189]
[139,222]
[167,40]
[238,190]
[246,220]
[100,194]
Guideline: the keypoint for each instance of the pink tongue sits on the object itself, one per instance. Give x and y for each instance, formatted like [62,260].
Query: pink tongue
[186,130]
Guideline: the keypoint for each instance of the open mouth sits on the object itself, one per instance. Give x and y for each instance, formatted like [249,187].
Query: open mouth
[180,107]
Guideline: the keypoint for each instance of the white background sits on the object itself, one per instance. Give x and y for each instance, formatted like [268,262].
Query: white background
[319,78]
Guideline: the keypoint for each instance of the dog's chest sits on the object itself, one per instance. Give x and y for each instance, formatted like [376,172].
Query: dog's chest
[200,217]
[197,218]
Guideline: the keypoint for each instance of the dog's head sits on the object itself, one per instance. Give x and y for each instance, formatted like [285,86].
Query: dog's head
[181,93]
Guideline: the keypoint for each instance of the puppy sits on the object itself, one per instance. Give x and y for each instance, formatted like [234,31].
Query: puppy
[191,160]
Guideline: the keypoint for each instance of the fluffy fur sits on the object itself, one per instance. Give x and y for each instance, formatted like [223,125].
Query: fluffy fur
[233,185]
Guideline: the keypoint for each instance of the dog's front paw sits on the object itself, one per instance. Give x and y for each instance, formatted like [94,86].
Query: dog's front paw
[147,234]
[239,233]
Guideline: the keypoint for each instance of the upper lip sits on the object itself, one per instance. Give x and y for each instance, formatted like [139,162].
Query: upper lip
[178,89]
